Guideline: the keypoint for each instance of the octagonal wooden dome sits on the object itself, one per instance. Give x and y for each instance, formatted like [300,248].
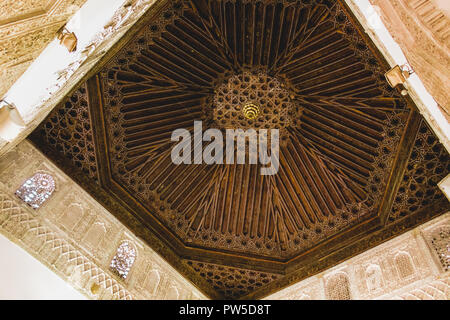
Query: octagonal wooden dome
[358,164]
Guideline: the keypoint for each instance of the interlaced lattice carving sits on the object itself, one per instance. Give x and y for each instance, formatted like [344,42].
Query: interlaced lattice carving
[68,130]
[428,164]
[404,265]
[362,51]
[232,283]
[338,287]
[439,240]
[124,259]
[268,94]
[36,190]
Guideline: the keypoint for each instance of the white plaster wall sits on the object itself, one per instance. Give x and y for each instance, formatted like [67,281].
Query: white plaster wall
[24,277]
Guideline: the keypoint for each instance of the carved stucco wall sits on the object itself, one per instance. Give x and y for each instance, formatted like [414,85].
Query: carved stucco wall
[413,266]
[77,238]
[85,59]
[26,27]
[422,29]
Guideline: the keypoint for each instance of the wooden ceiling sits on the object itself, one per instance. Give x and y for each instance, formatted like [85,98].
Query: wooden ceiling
[358,164]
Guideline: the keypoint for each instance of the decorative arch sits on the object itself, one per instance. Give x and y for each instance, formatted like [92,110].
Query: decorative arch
[71,216]
[404,264]
[374,277]
[36,190]
[152,281]
[338,287]
[124,259]
[95,234]
[439,240]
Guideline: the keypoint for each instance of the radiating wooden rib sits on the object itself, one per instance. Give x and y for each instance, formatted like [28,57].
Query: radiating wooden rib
[274,47]
[287,202]
[210,28]
[253,36]
[361,172]
[299,185]
[184,200]
[170,114]
[218,195]
[290,39]
[347,126]
[242,208]
[177,45]
[198,28]
[287,56]
[298,143]
[347,149]
[316,24]
[144,65]
[296,159]
[148,168]
[263,35]
[366,118]
[375,131]
[371,117]
[192,202]
[360,165]
[265,60]
[294,206]
[162,60]
[317,152]
[323,71]
[203,54]
[235,35]
[177,191]
[301,61]
[365,89]
[337,83]
[223,204]
[126,76]
[263,225]
[314,178]
[180,62]
[137,162]
[249,209]
[240,199]
[229,201]
[133,90]
[181,55]
[303,218]
[354,84]
[169,128]
[165,168]
[321,75]
[131,105]
[289,215]
[201,204]
[138,118]
[289,59]
[150,63]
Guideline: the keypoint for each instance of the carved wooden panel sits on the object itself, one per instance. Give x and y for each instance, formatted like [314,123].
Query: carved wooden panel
[232,283]
[68,129]
[428,164]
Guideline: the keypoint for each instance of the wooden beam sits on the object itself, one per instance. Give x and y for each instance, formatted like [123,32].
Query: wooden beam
[401,161]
